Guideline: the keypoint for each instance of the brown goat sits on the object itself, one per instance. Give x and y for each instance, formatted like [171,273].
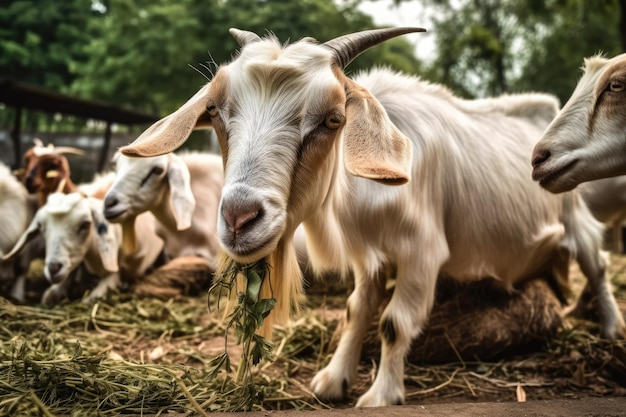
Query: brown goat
[47,168]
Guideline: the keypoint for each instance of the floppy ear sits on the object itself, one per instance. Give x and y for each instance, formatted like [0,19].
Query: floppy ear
[374,148]
[172,131]
[107,240]
[181,198]
[26,237]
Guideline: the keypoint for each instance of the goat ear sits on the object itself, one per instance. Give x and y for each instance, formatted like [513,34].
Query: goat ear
[172,131]
[107,240]
[26,237]
[374,147]
[182,199]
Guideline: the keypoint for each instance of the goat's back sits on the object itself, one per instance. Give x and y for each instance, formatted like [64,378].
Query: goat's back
[471,178]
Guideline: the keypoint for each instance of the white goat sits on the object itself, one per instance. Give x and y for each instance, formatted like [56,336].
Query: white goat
[181,191]
[587,138]
[606,198]
[75,232]
[17,209]
[304,143]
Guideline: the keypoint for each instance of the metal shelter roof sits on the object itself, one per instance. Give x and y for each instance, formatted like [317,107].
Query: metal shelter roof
[17,94]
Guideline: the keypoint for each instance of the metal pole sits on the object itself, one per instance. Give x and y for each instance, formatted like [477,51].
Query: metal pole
[16,134]
[105,148]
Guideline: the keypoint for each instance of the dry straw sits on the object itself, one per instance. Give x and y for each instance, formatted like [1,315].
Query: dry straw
[131,355]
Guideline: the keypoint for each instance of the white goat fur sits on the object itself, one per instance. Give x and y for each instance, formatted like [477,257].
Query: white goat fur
[586,140]
[297,136]
[17,209]
[183,196]
[606,199]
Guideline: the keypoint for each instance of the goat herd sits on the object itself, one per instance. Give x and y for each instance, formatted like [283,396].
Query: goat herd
[378,172]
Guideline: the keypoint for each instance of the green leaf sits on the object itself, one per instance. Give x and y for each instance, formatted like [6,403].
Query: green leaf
[254,286]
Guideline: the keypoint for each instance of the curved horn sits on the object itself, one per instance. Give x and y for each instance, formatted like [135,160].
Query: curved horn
[244,37]
[69,150]
[51,149]
[348,47]
[38,142]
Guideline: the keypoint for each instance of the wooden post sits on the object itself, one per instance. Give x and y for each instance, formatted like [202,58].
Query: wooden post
[105,147]
[16,134]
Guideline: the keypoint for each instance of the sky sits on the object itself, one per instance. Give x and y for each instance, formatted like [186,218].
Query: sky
[409,13]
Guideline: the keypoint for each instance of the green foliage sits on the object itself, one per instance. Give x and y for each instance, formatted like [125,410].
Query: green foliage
[38,39]
[154,54]
[580,28]
[489,47]
[246,318]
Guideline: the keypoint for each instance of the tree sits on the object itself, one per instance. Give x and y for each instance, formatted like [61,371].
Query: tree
[137,54]
[571,31]
[37,41]
[489,47]
[144,50]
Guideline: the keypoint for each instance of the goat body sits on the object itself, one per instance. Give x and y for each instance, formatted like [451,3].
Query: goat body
[17,209]
[301,142]
[606,199]
[586,139]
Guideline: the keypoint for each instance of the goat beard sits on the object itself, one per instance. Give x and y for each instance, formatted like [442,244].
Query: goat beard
[129,236]
[283,282]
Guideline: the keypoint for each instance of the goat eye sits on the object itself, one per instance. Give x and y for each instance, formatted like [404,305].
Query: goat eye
[333,121]
[84,226]
[212,110]
[157,171]
[616,86]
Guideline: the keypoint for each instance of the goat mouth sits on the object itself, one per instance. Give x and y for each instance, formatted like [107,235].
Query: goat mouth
[57,278]
[111,214]
[246,253]
[550,178]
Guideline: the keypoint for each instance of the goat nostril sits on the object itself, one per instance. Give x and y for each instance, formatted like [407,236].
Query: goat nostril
[54,267]
[540,156]
[110,201]
[244,218]
[239,217]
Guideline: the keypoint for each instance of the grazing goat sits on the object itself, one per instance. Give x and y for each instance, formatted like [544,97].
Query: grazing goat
[46,167]
[606,198]
[302,142]
[181,191]
[586,140]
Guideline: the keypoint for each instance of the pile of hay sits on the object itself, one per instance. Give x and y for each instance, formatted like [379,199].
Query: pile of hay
[130,354]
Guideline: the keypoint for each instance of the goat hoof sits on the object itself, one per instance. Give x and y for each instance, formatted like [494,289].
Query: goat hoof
[327,386]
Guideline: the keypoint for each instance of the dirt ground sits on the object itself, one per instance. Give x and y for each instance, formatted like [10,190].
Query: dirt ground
[574,365]
[571,368]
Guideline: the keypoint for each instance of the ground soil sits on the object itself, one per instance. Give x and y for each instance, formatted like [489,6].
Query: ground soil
[575,366]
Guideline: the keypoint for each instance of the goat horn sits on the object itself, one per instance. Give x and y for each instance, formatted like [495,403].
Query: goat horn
[69,150]
[244,37]
[61,185]
[38,142]
[348,47]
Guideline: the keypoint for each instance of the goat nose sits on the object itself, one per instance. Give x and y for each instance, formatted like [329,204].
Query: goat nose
[239,214]
[54,268]
[110,200]
[540,156]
